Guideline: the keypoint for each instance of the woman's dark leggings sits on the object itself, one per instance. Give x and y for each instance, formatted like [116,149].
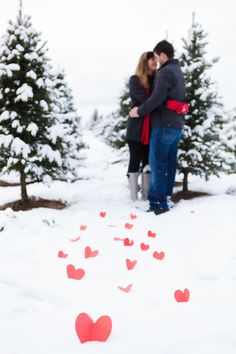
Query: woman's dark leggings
[139,153]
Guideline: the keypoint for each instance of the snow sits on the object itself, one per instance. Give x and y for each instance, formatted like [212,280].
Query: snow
[5,115]
[20,148]
[31,56]
[24,93]
[31,74]
[5,140]
[44,105]
[39,304]
[40,82]
[32,128]
[45,151]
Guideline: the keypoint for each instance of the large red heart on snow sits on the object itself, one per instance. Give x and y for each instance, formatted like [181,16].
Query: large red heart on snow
[182,296]
[88,331]
[89,253]
[130,264]
[73,273]
[102,214]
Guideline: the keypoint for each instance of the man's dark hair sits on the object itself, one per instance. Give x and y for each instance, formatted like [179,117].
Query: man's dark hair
[164,47]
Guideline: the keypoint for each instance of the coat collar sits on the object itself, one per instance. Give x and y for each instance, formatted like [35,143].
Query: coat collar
[171,61]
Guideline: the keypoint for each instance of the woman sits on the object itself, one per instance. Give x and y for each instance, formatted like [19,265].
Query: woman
[137,135]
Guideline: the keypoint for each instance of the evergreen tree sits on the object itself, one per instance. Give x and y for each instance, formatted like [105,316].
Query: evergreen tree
[229,139]
[67,127]
[119,120]
[29,141]
[200,151]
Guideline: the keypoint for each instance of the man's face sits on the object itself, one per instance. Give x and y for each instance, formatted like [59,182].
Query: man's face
[160,59]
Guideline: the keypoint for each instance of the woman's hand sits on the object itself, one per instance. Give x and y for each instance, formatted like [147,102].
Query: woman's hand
[133,113]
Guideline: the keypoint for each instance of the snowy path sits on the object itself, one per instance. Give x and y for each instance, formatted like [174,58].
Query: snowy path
[39,304]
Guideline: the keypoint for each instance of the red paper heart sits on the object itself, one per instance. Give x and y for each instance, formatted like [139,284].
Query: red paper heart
[151,234]
[144,247]
[73,273]
[128,226]
[83,227]
[88,331]
[61,254]
[182,296]
[127,289]
[130,264]
[128,242]
[159,256]
[102,214]
[75,239]
[89,253]
[133,216]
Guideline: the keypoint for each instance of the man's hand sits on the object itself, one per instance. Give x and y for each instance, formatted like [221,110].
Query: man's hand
[133,113]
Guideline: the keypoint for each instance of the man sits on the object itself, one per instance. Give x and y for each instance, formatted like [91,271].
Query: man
[166,125]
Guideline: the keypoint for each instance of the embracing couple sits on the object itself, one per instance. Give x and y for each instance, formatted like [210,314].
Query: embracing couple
[155,124]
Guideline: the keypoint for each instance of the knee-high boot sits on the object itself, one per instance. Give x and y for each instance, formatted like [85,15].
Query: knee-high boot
[146,179]
[133,185]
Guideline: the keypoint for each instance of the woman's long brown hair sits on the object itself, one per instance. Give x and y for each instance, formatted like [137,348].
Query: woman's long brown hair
[142,70]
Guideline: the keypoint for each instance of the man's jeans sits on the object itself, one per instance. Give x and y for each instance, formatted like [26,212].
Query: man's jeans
[163,154]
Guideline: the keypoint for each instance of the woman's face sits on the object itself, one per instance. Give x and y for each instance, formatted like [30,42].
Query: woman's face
[152,64]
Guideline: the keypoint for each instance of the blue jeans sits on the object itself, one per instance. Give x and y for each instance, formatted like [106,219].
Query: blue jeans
[163,160]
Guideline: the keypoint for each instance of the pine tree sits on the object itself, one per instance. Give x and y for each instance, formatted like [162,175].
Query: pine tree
[29,141]
[228,139]
[67,127]
[200,149]
[119,120]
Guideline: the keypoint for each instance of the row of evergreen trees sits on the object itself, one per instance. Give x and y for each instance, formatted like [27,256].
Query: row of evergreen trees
[208,145]
[40,134]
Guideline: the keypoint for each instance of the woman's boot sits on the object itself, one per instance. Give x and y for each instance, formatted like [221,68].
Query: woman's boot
[133,185]
[146,179]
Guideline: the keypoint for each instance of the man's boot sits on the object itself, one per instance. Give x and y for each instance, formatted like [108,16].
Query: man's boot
[133,185]
[146,179]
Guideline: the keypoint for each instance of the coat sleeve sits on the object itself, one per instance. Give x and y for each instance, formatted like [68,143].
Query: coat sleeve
[164,82]
[136,90]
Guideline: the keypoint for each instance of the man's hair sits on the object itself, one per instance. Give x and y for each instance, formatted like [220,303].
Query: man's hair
[164,47]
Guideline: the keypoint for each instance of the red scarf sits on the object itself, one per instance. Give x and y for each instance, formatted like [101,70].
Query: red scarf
[145,135]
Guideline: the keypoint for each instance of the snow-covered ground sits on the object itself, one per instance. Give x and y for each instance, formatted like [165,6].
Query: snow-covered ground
[39,304]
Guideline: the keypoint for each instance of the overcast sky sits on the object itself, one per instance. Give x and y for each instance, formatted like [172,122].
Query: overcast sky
[98,42]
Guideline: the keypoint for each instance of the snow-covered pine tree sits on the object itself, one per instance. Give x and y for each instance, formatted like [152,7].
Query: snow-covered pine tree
[228,138]
[67,126]
[26,118]
[200,148]
[119,120]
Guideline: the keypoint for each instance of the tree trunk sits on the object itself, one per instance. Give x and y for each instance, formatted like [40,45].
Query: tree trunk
[24,195]
[185,182]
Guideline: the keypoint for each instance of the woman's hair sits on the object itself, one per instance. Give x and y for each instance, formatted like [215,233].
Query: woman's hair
[142,68]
